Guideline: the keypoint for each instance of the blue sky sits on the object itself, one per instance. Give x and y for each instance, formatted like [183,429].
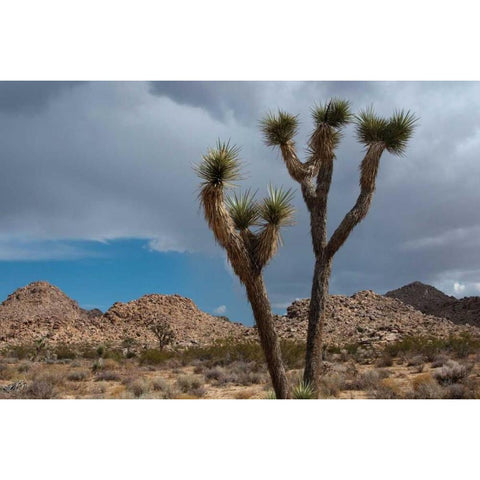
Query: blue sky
[98,195]
[122,270]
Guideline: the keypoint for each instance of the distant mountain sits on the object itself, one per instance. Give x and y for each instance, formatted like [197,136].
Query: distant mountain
[43,310]
[432,301]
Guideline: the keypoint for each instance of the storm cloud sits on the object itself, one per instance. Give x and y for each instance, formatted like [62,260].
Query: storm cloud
[107,160]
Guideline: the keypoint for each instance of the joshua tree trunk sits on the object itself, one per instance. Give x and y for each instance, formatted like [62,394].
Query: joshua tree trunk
[257,295]
[316,320]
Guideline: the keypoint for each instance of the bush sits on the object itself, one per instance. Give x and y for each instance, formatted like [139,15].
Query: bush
[41,390]
[78,375]
[450,373]
[385,360]
[154,357]
[189,383]
[107,376]
[64,352]
[461,345]
[137,387]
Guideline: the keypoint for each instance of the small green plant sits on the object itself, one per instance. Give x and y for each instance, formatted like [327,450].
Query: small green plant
[303,391]
[154,357]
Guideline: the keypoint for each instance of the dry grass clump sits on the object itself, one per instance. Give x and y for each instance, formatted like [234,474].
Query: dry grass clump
[107,376]
[387,389]
[244,394]
[385,360]
[450,373]
[368,380]
[331,385]
[425,387]
[192,384]
[78,375]
[6,372]
[138,387]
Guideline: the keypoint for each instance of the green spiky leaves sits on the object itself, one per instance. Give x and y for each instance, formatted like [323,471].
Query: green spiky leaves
[394,132]
[279,129]
[399,131]
[276,208]
[220,165]
[335,113]
[243,209]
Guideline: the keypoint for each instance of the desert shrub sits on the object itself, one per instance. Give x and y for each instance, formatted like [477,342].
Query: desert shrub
[107,376]
[439,361]
[6,372]
[40,389]
[78,375]
[303,391]
[368,380]
[137,387]
[425,387]
[249,378]
[21,352]
[293,353]
[461,345]
[98,364]
[416,361]
[385,360]
[189,383]
[89,353]
[450,373]
[113,354]
[167,390]
[216,374]
[244,394]
[224,352]
[387,389]
[160,384]
[24,367]
[331,385]
[64,352]
[270,395]
[154,357]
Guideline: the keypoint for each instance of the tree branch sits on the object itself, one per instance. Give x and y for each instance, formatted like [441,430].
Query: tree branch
[368,175]
[223,228]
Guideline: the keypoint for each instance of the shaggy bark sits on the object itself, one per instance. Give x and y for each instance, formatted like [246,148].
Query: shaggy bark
[257,295]
[248,254]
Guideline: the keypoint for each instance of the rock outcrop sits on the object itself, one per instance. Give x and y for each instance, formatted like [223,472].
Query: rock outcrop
[432,301]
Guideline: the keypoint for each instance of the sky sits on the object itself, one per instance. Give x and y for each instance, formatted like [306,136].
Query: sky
[98,195]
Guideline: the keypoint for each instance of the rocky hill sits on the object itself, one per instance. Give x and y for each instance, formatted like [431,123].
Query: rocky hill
[43,310]
[369,319]
[432,301]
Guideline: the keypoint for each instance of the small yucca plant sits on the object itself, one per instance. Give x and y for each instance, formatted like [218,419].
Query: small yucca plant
[303,391]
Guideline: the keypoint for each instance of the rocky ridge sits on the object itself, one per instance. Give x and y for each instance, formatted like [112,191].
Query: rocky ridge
[369,319]
[432,301]
[42,310]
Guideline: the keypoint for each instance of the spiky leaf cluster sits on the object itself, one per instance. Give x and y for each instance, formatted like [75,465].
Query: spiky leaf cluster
[276,208]
[220,165]
[399,131]
[394,132]
[279,129]
[243,209]
[335,113]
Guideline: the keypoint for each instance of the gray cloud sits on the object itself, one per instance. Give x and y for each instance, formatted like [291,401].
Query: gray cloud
[113,160]
[28,97]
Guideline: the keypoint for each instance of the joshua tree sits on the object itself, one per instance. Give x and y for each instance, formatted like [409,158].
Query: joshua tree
[248,251]
[315,175]
[159,326]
